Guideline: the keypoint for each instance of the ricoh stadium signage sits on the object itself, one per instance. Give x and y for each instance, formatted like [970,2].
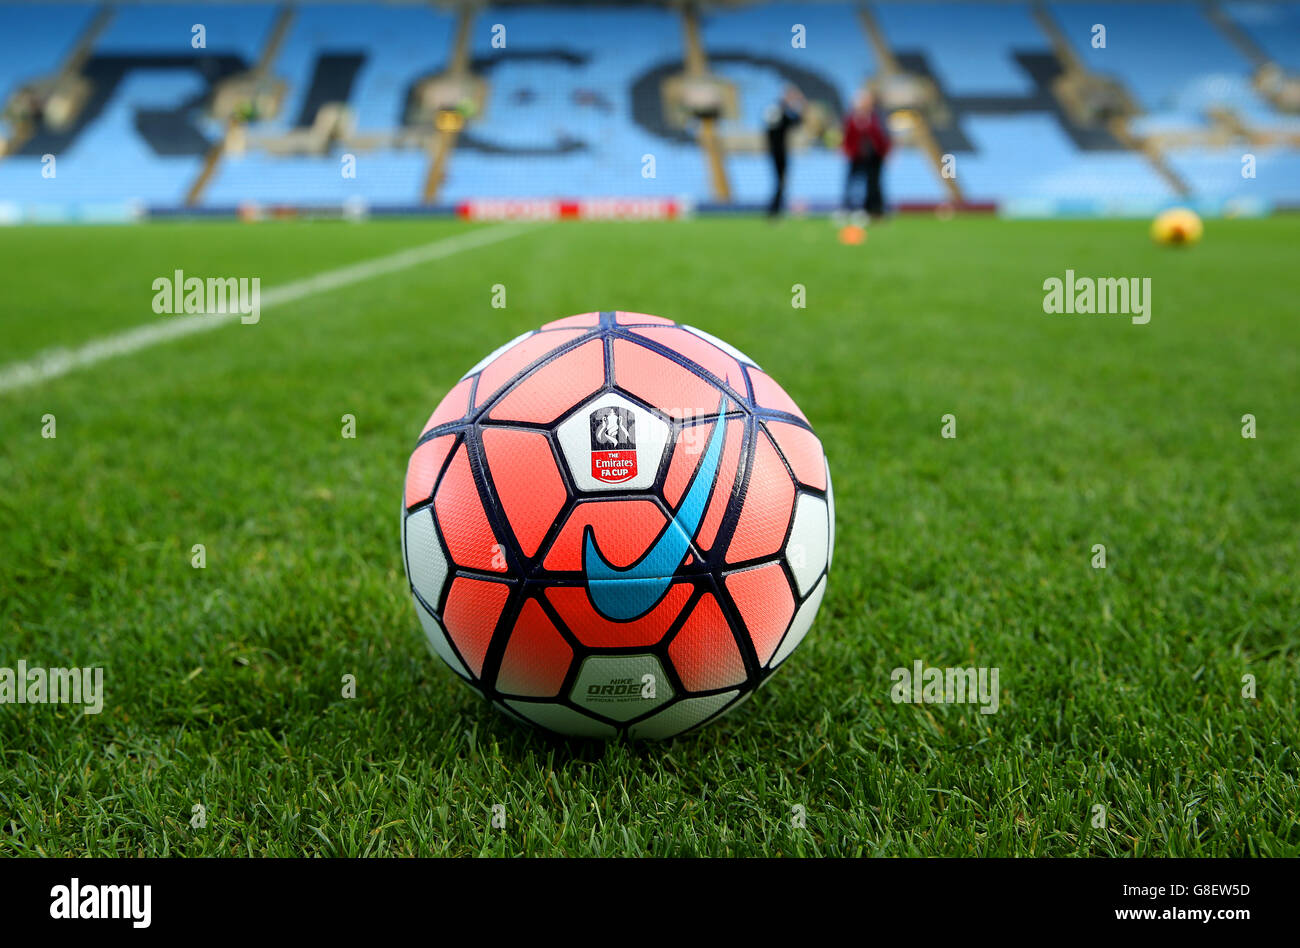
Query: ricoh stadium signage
[547,209]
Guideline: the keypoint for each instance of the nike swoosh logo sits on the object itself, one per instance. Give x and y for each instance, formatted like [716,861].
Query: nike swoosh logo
[625,594]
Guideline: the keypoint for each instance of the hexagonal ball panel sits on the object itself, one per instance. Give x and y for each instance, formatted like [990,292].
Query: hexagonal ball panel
[809,544]
[617,686]
[426,566]
[683,715]
[595,443]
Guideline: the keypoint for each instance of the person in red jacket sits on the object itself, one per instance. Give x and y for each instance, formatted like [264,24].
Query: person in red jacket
[866,143]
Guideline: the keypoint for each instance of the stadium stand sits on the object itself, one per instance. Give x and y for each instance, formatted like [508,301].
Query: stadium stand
[970,46]
[368,58]
[561,118]
[1169,55]
[1196,90]
[1274,26]
[438,106]
[1010,140]
[47,35]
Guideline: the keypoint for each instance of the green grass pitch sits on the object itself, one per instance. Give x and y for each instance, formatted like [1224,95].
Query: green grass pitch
[1121,688]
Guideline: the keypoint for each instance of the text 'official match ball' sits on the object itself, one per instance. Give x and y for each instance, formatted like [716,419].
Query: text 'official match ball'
[616,523]
[1178,226]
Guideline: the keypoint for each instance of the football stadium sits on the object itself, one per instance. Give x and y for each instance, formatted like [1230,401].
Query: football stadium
[420,421]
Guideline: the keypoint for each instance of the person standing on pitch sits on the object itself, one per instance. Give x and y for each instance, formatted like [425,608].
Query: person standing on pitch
[866,143]
[782,116]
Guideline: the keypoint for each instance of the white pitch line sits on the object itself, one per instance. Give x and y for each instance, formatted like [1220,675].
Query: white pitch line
[52,363]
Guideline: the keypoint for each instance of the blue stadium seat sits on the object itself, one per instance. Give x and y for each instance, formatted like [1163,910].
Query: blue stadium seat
[1028,157]
[1214,175]
[400,44]
[1170,56]
[37,38]
[582,101]
[969,46]
[1275,27]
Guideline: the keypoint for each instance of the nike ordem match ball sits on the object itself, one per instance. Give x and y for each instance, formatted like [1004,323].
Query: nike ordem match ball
[1178,226]
[617,524]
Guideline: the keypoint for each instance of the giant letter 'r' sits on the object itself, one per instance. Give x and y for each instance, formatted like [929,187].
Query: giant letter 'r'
[625,594]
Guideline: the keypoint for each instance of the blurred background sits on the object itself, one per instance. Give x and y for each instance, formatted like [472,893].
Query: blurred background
[1072,108]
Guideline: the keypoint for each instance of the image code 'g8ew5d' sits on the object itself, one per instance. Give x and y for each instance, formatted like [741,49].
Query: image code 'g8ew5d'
[609,291]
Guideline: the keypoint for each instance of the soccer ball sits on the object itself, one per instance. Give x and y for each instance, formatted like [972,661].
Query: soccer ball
[852,234]
[1177,226]
[617,524]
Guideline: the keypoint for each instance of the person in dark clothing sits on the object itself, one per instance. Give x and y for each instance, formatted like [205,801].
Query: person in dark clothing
[866,143]
[783,115]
